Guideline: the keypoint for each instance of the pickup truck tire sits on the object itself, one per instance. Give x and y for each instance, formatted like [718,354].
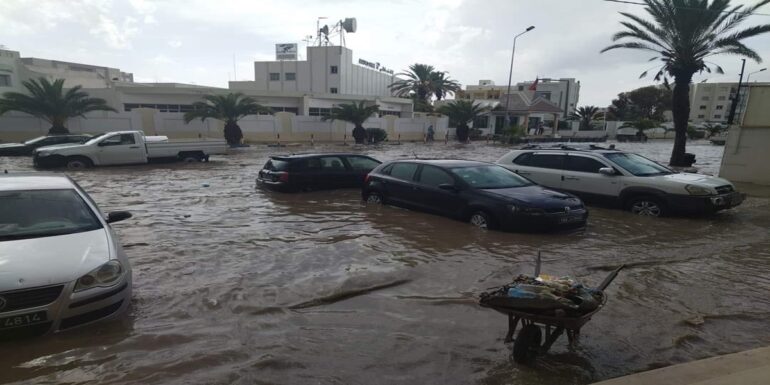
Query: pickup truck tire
[646,205]
[191,157]
[78,163]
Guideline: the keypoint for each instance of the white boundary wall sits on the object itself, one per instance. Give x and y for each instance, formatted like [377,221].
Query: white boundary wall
[259,128]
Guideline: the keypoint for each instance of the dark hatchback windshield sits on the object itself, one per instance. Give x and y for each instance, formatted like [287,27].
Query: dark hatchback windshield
[637,165]
[490,177]
[43,213]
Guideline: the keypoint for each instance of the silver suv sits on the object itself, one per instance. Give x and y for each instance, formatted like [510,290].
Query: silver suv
[623,179]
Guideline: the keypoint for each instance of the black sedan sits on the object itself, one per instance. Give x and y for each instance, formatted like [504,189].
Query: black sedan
[305,172]
[27,147]
[484,194]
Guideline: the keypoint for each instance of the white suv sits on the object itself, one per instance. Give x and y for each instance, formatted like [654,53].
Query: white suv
[624,179]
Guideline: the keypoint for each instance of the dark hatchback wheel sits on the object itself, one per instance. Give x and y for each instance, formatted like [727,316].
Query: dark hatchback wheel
[374,198]
[482,220]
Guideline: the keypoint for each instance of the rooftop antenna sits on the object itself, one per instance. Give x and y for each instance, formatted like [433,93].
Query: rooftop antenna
[318,29]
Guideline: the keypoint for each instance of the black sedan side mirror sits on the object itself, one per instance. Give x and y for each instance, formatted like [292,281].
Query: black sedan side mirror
[448,187]
[117,216]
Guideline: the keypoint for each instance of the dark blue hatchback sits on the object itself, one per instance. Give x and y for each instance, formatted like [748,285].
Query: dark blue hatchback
[484,194]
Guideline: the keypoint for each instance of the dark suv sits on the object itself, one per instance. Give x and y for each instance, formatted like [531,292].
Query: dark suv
[485,194]
[305,172]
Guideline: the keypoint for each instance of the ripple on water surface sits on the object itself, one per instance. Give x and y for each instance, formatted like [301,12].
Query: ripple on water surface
[237,285]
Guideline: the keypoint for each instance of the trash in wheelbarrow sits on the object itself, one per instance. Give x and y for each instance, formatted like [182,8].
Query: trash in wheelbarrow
[547,295]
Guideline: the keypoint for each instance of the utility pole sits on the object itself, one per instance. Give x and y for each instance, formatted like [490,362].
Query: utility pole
[737,96]
[510,75]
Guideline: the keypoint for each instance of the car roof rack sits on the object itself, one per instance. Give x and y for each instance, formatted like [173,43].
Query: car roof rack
[568,147]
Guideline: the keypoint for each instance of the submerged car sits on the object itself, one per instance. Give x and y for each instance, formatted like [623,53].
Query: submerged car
[622,179]
[61,264]
[29,146]
[484,194]
[305,172]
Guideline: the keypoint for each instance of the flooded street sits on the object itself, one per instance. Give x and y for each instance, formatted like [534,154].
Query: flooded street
[237,285]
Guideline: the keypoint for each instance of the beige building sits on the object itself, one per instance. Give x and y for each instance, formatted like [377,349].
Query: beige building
[746,157]
[564,93]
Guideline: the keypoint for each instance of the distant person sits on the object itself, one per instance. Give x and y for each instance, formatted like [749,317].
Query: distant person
[431,133]
[540,128]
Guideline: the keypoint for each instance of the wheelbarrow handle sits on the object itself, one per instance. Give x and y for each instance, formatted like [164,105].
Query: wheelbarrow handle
[611,277]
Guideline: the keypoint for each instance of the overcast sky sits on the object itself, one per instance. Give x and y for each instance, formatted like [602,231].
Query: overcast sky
[194,41]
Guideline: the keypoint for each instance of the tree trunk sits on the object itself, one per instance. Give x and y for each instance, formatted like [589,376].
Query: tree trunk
[462,133]
[233,134]
[680,107]
[359,134]
[57,127]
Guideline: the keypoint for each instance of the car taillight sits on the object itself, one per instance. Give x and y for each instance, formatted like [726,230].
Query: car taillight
[367,177]
[284,177]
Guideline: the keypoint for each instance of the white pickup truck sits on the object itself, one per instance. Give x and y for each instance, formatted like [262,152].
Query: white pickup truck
[126,147]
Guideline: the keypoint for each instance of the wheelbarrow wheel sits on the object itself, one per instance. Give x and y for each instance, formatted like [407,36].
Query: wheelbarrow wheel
[527,343]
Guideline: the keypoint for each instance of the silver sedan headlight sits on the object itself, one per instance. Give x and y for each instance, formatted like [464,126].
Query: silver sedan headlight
[697,190]
[103,276]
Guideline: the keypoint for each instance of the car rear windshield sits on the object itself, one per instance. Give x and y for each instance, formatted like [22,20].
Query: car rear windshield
[44,213]
[277,165]
[638,165]
[490,177]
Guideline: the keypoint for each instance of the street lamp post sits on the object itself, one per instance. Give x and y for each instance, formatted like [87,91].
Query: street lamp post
[755,72]
[744,98]
[510,75]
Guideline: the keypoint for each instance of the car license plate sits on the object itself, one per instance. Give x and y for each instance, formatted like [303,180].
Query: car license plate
[22,319]
[571,219]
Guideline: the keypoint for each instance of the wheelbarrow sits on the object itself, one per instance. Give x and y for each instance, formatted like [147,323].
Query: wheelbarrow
[529,342]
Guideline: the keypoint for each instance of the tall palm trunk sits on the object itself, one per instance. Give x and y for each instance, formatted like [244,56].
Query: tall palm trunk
[359,134]
[462,133]
[57,127]
[681,110]
[233,134]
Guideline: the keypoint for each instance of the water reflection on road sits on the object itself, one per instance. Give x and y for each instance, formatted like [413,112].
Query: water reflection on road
[237,285]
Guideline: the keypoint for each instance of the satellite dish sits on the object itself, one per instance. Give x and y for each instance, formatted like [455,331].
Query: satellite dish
[325,30]
[350,24]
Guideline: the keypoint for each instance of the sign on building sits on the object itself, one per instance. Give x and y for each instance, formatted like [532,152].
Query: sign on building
[287,51]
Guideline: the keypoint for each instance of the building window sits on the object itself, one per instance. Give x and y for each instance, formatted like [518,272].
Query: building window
[717,116]
[291,76]
[721,97]
[5,80]
[394,113]
[333,90]
[702,107]
[701,116]
[160,107]
[521,88]
[333,69]
[275,76]
[720,107]
[481,122]
[315,111]
[705,98]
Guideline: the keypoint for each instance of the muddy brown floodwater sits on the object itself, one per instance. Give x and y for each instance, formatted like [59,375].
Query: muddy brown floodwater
[237,285]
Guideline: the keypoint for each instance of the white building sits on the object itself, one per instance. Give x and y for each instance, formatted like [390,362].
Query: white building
[328,78]
[746,157]
[564,92]
[327,70]
[711,102]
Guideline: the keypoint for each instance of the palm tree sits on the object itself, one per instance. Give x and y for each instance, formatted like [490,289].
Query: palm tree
[685,33]
[461,112]
[442,85]
[50,102]
[356,114]
[585,115]
[417,81]
[229,108]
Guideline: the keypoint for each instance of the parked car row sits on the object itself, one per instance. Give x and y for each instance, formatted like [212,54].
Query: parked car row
[110,149]
[535,187]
